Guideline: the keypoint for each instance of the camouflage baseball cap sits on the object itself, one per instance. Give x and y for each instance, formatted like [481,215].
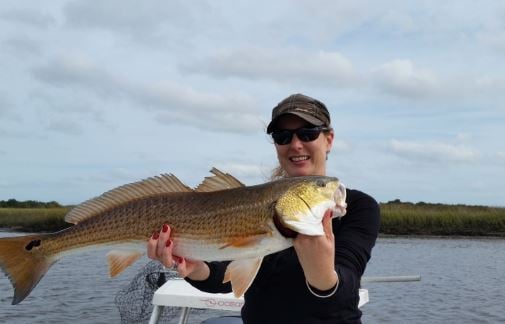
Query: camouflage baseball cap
[305,107]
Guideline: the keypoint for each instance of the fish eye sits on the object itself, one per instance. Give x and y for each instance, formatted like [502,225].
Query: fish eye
[320,183]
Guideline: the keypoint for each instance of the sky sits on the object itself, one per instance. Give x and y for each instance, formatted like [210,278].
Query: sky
[97,94]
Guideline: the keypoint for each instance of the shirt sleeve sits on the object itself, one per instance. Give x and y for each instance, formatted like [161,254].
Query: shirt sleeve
[214,283]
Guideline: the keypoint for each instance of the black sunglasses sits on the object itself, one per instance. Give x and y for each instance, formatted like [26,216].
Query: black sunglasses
[304,134]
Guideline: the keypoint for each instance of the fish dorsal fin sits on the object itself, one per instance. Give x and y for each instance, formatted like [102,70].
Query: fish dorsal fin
[218,181]
[162,184]
[120,260]
[241,273]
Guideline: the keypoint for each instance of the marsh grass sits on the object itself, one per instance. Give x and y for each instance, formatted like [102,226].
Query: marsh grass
[438,219]
[398,218]
[33,219]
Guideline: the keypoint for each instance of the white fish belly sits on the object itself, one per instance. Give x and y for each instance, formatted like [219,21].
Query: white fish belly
[201,250]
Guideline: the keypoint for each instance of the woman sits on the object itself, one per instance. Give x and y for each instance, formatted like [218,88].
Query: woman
[316,281]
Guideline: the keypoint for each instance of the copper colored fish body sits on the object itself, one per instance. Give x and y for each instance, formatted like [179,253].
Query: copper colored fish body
[221,219]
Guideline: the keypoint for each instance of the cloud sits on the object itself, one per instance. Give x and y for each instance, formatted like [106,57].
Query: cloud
[166,94]
[7,111]
[78,70]
[176,104]
[169,101]
[320,22]
[59,104]
[243,170]
[247,173]
[22,45]
[15,134]
[397,21]
[402,78]
[233,122]
[5,106]
[341,145]
[157,21]
[182,21]
[490,85]
[321,67]
[494,39]
[119,15]
[115,175]
[432,151]
[30,17]
[66,127]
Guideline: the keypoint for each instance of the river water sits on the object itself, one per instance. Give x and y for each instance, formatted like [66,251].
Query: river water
[462,282]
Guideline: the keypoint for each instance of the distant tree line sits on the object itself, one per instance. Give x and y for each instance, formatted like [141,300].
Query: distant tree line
[13,203]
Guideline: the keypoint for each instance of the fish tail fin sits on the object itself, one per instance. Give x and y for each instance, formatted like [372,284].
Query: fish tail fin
[23,263]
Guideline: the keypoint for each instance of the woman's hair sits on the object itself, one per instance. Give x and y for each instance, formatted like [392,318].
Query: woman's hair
[278,173]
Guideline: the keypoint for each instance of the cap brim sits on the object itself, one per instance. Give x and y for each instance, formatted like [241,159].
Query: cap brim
[309,118]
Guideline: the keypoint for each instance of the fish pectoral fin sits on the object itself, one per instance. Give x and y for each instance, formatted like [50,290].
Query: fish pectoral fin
[120,260]
[241,273]
[244,241]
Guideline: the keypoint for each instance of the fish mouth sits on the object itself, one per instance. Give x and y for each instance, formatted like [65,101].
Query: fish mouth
[339,198]
[299,158]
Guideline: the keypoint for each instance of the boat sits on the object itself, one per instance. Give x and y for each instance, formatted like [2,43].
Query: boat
[178,293]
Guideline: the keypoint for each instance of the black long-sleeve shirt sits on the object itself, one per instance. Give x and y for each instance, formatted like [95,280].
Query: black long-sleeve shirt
[279,293]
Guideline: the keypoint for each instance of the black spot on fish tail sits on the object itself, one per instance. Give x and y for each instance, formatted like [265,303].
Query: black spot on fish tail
[32,244]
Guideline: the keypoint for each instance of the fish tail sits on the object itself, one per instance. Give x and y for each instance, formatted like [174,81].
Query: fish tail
[23,263]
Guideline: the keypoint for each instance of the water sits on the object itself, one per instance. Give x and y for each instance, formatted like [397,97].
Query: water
[462,282]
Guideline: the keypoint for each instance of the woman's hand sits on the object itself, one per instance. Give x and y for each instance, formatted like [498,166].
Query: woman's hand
[317,256]
[160,248]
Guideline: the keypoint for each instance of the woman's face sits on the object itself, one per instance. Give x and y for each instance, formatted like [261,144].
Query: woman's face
[303,158]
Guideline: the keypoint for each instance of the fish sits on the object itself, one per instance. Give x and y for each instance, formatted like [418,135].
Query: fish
[219,220]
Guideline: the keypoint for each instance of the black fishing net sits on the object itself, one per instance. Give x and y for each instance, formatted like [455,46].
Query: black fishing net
[134,300]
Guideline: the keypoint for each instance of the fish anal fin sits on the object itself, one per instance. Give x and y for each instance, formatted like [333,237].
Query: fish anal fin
[219,181]
[120,260]
[241,274]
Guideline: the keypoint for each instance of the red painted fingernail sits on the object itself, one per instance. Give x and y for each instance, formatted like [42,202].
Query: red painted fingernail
[165,228]
[156,234]
[169,242]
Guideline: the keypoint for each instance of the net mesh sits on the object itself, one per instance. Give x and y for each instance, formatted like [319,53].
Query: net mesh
[134,300]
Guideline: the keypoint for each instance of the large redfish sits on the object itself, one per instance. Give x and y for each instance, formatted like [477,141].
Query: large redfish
[219,220]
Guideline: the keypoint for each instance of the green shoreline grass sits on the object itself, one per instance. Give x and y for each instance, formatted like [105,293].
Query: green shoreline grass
[437,219]
[33,219]
[398,218]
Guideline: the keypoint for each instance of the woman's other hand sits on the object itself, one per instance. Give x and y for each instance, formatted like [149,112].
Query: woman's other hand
[160,247]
